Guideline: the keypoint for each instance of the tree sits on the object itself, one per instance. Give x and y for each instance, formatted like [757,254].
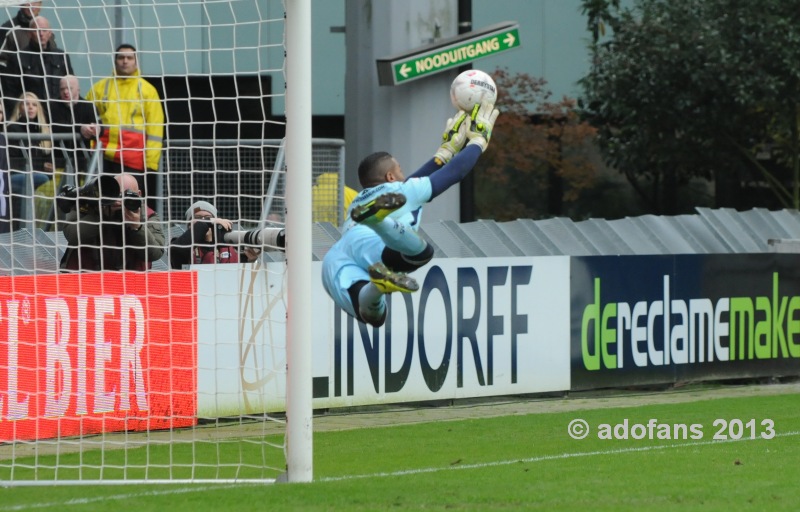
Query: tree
[687,89]
[537,164]
[599,13]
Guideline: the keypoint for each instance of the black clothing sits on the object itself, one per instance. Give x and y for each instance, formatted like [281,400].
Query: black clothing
[20,20]
[37,71]
[16,154]
[14,34]
[68,118]
[5,207]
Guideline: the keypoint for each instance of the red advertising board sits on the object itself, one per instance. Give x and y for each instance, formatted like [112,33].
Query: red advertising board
[102,352]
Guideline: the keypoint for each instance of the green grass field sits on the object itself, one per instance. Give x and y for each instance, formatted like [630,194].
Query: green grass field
[524,461]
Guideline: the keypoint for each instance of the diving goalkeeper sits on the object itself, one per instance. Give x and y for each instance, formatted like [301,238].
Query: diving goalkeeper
[380,244]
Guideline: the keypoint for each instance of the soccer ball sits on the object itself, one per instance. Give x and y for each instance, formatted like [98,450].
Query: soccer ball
[471,87]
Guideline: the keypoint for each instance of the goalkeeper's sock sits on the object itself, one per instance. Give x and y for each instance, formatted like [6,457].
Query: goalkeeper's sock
[371,303]
[399,237]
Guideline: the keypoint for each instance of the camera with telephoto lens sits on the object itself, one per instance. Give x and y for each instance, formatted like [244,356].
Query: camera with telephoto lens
[260,238]
[95,193]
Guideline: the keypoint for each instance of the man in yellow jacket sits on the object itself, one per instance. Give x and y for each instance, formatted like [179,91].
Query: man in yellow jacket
[131,118]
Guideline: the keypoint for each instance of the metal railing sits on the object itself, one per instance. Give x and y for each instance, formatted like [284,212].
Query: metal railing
[245,179]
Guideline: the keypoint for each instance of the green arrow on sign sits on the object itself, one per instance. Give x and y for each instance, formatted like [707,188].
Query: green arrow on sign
[451,53]
[456,55]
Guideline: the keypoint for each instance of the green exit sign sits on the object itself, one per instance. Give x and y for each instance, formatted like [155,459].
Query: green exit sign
[448,53]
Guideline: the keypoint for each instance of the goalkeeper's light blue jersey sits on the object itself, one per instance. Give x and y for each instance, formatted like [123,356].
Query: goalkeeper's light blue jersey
[418,191]
[360,246]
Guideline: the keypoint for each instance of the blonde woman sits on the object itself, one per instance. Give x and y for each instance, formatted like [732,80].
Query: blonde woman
[29,118]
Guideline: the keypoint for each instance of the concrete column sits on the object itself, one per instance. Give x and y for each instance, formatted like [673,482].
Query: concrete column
[406,120]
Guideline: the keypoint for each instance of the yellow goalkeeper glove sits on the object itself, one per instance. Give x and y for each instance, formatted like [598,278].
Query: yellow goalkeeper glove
[454,138]
[481,123]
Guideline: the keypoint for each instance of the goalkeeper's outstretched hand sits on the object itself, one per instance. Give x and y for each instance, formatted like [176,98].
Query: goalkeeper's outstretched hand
[454,138]
[481,123]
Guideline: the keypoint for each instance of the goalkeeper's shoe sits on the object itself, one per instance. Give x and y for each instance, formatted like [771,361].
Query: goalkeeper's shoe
[377,209]
[388,281]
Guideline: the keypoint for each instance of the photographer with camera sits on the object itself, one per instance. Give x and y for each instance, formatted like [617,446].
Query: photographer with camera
[210,239]
[204,240]
[108,226]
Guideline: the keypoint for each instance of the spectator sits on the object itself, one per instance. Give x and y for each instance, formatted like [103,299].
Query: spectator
[74,115]
[202,242]
[13,33]
[27,11]
[29,118]
[39,66]
[133,119]
[116,232]
[325,199]
[5,207]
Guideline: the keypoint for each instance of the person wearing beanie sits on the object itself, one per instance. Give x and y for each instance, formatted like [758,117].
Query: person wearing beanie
[203,241]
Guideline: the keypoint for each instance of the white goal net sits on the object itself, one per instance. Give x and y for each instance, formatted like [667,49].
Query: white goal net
[134,347]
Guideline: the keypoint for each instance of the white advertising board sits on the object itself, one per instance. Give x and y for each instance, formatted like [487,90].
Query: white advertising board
[477,327]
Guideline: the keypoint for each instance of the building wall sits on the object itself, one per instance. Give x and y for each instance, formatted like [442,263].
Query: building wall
[553,34]
[199,39]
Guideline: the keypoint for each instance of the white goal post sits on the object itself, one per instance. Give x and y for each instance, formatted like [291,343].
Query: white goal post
[116,366]
[298,186]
